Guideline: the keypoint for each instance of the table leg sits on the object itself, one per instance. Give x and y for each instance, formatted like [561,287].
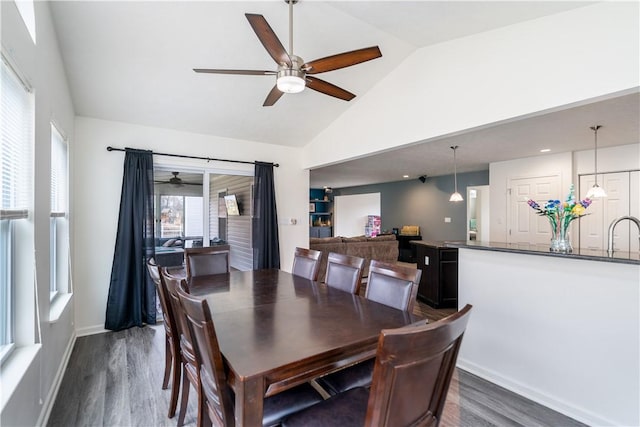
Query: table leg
[249,402]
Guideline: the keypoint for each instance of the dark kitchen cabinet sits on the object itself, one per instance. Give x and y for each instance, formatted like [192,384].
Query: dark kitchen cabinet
[439,282]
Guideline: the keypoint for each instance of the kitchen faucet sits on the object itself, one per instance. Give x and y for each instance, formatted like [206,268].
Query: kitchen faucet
[612,226]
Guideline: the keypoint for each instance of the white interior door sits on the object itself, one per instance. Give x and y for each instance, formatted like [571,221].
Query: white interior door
[623,198]
[616,204]
[634,210]
[525,225]
[592,230]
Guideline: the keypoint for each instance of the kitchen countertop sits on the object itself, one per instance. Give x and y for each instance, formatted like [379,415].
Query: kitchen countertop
[586,254]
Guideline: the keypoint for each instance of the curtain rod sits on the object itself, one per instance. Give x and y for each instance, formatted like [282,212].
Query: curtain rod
[209,159]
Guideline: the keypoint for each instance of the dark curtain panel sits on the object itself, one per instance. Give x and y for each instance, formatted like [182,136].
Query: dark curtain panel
[132,296]
[266,246]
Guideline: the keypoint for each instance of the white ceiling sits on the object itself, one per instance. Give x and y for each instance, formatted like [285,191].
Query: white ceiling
[132,62]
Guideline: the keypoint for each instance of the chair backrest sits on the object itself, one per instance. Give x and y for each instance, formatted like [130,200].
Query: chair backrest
[393,285]
[205,261]
[344,272]
[413,370]
[212,374]
[161,288]
[306,263]
[187,348]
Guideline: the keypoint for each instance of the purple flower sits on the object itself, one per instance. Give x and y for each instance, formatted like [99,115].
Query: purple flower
[586,202]
[533,204]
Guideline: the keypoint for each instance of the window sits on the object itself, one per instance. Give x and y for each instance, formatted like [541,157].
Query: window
[16,131]
[181,216]
[58,226]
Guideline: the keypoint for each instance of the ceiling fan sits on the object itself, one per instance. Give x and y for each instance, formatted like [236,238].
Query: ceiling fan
[293,74]
[177,181]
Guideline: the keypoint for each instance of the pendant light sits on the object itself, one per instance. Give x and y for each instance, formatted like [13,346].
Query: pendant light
[596,191]
[455,197]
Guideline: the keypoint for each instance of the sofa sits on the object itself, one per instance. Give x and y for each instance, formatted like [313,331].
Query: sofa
[380,248]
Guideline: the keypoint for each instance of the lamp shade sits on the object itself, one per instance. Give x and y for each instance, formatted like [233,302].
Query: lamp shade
[596,192]
[456,197]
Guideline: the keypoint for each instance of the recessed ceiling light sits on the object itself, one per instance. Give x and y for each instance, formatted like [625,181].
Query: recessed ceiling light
[405,176]
[545,150]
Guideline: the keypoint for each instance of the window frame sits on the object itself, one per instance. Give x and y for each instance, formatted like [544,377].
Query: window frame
[58,227]
[16,203]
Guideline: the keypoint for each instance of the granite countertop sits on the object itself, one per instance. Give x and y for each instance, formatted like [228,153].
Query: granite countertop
[435,243]
[586,254]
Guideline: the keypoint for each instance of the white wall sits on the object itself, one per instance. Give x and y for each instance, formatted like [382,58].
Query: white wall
[563,332]
[98,185]
[351,212]
[30,378]
[498,75]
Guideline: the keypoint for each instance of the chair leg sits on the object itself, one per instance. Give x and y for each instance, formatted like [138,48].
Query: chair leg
[175,383]
[202,417]
[167,363]
[185,397]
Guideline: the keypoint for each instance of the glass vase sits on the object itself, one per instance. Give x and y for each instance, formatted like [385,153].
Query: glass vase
[560,242]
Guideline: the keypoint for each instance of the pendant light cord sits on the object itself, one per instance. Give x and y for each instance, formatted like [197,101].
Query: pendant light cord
[595,151]
[455,169]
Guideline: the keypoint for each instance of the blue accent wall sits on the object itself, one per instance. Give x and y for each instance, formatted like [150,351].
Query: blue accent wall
[411,202]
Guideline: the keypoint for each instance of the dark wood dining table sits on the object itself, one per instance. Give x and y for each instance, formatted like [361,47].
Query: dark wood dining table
[277,330]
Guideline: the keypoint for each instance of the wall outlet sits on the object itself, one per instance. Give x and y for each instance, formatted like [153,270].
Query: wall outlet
[426,260]
[447,219]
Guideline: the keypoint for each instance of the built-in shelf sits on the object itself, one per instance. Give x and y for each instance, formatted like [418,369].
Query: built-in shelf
[320,213]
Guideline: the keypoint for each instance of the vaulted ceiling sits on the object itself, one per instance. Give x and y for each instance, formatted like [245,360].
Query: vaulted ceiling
[133,61]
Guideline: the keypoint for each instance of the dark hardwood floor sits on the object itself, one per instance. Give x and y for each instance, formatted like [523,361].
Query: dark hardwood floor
[114,379]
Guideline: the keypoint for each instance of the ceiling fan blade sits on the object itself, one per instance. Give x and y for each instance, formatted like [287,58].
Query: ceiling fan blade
[342,60]
[268,39]
[273,96]
[328,88]
[243,72]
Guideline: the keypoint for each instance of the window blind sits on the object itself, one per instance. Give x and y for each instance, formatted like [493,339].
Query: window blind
[16,124]
[59,173]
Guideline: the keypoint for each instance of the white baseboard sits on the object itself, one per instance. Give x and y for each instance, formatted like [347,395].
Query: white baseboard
[581,414]
[91,330]
[43,420]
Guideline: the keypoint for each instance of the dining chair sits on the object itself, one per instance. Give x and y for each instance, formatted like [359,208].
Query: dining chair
[205,261]
[344,272]
[172,363]
[411,377]
[390,284]
[306,263]
[189,361]
[393,285]
[218,396]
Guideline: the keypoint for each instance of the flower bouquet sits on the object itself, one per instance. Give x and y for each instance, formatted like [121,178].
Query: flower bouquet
[560,215]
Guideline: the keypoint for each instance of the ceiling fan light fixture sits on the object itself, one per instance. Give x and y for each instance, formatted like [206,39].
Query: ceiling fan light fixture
[290,81]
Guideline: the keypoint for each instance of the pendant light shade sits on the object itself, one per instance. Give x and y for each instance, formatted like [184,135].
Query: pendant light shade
[455,197]
[596,191]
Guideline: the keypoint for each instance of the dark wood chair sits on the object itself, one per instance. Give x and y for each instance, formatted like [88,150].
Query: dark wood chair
[190,363]
[393,285]
[172,344]
[218,396]
[306,263]
[344,272]
[389,284]
[413,370]
[206,261]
